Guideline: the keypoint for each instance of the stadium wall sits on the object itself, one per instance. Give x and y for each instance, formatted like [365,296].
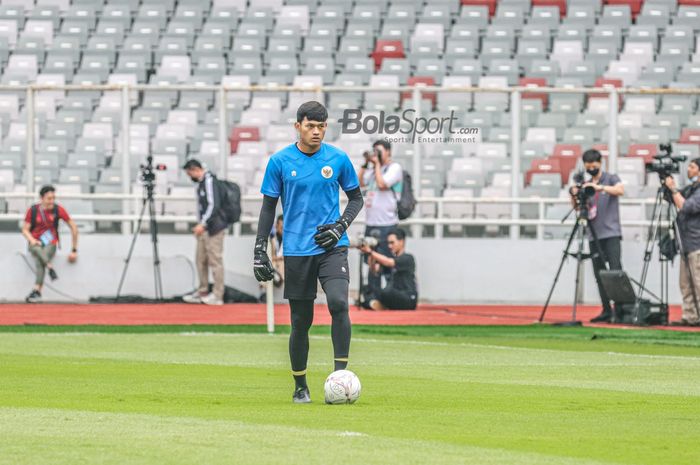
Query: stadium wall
[449,270]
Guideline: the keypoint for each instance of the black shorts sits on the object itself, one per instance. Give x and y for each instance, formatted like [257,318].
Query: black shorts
[302,273]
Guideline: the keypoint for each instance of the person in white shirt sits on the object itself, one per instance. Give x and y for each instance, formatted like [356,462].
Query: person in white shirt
[381,179]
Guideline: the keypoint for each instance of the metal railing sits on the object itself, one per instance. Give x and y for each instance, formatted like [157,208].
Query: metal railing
[515,92]
[251,219]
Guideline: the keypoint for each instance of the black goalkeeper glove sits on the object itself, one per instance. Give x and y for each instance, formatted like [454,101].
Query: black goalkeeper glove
[262,267]
[329,234]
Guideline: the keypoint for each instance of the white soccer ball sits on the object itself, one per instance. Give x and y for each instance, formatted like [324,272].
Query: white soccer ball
[342,387]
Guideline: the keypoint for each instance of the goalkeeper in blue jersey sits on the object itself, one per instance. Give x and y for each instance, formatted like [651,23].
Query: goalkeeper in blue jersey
[306,175]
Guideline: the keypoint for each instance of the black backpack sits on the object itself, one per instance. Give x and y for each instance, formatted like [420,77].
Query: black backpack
[407,202]
[229,200]
[35,212]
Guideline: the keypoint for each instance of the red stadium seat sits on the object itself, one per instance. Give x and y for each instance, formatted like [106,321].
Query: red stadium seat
[489,3]
[387,49]
[535,82]
[689,2]
[567,151]
[635,5]
[646,151]
[419,81]
[604,82]
[558,3]
[690,136]
[243,134]
[545,165]
[568,156]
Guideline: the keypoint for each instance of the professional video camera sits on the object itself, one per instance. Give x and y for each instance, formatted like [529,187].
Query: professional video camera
[148,171]
[583,193]
[664,163]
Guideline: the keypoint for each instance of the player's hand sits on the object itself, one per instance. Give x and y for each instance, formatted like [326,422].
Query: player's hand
[262,267]
[34,242]
[329,234]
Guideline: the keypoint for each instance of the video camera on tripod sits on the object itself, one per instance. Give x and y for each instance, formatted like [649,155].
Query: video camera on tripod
[581,192]
[664,163]
[148,177]
[148,171]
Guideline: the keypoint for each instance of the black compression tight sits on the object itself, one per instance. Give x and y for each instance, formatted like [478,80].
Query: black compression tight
[302,317]
[337,295]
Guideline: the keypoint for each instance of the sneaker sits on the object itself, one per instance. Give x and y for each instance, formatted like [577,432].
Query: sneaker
[52,274]
[33,297]
[211,299]
[194,298]
[301,396]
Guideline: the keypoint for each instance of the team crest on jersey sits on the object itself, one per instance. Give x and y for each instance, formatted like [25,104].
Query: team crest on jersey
[294,173]
[327,172]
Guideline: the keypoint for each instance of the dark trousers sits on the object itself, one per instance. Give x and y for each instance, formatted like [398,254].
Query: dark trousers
[611,253]
[374,281]
[394,299]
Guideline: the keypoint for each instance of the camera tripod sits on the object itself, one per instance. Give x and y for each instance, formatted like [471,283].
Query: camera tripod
[578,232]
[653,236]
[147,202]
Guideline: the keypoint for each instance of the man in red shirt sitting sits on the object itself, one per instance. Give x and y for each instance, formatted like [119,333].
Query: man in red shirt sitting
[41,231]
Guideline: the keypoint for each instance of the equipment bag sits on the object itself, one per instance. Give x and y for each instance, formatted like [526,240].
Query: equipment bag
[407,202]
[229,200]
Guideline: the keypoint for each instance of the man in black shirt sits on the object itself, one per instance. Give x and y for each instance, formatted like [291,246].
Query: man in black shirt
[687,202]
[401,292]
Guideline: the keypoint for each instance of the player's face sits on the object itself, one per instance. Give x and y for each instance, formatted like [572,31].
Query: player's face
[311,133]
[48,200]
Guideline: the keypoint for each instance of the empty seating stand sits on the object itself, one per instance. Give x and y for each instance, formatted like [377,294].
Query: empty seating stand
[450,43]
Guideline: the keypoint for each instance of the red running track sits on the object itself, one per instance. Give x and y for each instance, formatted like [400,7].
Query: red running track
[254,314]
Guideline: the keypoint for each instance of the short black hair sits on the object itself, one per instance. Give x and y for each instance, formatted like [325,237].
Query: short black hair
[46,189]
[591,155]
[280,217]
[399,233]
[192,163]
[313,111]
[696,161]
[383,142]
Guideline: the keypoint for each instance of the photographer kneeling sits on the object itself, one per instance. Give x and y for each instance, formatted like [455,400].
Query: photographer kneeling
[603,209]
[401,292]
[687,200]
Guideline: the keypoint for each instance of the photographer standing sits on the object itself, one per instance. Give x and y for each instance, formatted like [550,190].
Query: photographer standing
[381,178]
[210,233]
[687,201]
[604,221]
[401,292]
[41,231]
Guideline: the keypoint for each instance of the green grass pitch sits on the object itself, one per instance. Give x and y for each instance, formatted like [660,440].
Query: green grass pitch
[222,395]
